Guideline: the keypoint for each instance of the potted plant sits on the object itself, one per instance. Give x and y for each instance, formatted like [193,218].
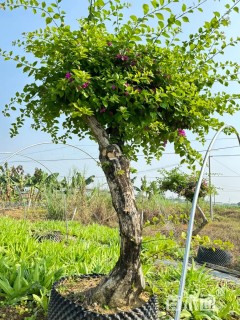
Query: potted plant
[184,185]
[213,251]
[131,88]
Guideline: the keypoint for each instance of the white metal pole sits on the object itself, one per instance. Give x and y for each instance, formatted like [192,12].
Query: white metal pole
[210,186]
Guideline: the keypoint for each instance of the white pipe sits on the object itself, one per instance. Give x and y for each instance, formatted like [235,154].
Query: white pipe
[42,143]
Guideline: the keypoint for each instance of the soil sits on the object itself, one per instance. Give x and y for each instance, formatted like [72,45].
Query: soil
[75,289]
[19,313]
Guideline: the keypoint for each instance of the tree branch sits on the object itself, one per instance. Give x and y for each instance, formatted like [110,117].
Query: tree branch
[98,132]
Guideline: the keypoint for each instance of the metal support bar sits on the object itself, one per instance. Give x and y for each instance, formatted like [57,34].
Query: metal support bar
[210,185]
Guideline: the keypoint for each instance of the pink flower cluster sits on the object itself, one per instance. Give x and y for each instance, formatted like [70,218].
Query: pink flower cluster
[68,76]
[122,57]
[181,132]
[85,85]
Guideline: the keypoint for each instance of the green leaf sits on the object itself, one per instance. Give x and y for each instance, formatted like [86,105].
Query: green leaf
[145,8]
[161,24]
[56,16]
[217,14]
[160,16]
[154,4]
[48,20]
[185,19]
[26,68]
[184,7]
[134,18]
[5,286]
[18,282]
[136,38]
[50,9]
[178,23]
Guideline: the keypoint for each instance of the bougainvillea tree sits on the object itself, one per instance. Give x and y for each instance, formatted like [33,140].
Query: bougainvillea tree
[184,185]
[130,84]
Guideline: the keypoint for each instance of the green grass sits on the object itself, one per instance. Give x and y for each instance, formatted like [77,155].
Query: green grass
[28,268]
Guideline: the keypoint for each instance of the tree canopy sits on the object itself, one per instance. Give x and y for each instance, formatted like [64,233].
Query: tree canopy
[142,79]
[127,83]
[182,184]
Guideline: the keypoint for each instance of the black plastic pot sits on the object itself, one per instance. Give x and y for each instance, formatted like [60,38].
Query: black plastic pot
[218,256]
[61,308]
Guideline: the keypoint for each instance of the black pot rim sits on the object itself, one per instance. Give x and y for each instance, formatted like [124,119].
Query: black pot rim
[213,249]
[152,298]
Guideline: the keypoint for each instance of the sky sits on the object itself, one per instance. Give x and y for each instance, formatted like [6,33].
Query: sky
[34,148]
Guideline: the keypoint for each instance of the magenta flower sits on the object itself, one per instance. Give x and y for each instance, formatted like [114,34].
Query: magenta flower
[109,43]
[85,85]
[126,84]
[181,132]
[122,57]
[103,110]
[113,87]
[68,75]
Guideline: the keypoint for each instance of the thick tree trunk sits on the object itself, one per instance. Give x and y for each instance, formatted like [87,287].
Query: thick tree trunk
[125,282]
[203,224]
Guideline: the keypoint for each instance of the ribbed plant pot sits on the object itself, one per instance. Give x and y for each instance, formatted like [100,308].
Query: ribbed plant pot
[214,256]
[61,308]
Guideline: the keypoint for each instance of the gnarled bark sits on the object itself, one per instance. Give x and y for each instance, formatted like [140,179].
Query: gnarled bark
[125,282]
[203,224]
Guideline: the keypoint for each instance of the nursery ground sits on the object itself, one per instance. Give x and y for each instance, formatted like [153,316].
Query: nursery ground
[225,226]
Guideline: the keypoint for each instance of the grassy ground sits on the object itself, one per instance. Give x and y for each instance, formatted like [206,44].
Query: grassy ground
[160,216]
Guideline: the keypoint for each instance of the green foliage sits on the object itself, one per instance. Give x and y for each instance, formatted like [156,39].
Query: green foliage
[150,189]
[213,244]
[202,297]
[43,188]
[182,183]
[12,182]
[28,268]
[141,83]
